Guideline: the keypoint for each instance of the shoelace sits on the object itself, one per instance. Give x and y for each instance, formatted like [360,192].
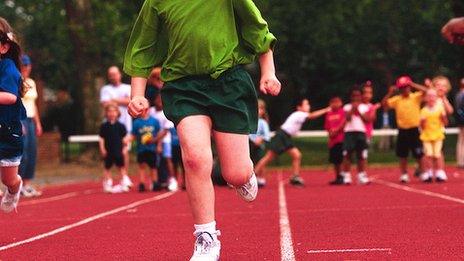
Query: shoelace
[202,245]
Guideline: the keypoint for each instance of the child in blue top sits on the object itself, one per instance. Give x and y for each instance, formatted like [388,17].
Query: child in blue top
[146,131]
[11,113]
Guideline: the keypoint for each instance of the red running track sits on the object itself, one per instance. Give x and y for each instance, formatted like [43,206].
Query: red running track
[382,221]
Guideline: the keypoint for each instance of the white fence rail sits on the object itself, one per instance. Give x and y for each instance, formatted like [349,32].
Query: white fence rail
[312,134]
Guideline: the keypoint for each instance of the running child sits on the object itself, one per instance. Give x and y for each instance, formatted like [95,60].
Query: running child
[112,146]
[201,46]
[334,124]
[355,140]
[433,121]
[407,106]
[12,112]
[282,140]
[146,130]
[260,138]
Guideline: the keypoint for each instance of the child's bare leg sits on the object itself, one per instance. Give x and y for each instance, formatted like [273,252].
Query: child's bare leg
[142,175]
[106,174]
[153,175]
[234,156]
[362,165]
[11,179]
[171,170]
[296,160]
[261,165]
[195,139]
[404,165]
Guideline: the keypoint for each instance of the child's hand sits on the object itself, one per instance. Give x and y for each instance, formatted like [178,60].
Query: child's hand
[391,89]
[137,106]
[269,84]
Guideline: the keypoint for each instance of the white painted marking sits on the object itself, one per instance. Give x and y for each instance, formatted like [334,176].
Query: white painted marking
[56,198]
[419,191]
[87,220]
[351,250]
[286,245]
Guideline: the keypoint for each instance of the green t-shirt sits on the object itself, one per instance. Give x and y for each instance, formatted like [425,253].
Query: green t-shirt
[195,37]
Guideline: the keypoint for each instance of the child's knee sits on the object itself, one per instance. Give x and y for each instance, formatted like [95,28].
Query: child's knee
[297,155]
[198,163]
[238,175]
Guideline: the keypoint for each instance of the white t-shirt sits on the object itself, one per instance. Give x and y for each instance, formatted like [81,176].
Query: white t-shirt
[29,98]
[165,124]
[356,123]
[109,92]
[294,122]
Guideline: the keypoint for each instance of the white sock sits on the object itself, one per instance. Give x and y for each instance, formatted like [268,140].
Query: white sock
[208,227]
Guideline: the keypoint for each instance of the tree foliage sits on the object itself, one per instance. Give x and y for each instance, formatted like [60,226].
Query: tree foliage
[324,47]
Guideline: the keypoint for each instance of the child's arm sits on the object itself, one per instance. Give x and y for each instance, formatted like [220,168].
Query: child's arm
[101,143]
[318,113]
[7,98]
[391,91]
[138,103]
[448,107]
[422,123]
[418,87]
[269,84]
[160,136]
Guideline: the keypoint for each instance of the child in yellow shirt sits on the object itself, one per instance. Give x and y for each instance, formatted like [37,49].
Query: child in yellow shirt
[433,120]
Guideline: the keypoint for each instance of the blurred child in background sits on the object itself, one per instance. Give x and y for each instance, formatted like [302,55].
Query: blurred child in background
[433,121]
[459,106]
[12,112]
[177,158]
[282,140]
[334,124]
[355,140]
[260,138]
[112,148]
[407,106]
[146,130]
[367,95]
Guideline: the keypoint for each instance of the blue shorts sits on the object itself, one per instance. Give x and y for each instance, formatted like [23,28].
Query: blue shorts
[11,162]
[167,150]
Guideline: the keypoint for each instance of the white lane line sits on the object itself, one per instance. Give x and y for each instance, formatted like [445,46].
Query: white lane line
[56,198]
[87,220]
[286,244]
[351,250]
[419,191]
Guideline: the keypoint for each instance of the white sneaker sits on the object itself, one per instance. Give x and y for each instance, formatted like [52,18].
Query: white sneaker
[172,184]
[108,186]
[404,178]
[119,189]
[25,193]
[363,179]
[10,201]
[261,181]
[207,247]
[249,190]
[30,192]
[426,176]
[126,182]
[440,176]
[346,177]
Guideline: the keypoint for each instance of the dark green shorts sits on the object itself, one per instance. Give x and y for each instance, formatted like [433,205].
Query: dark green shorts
[355,142]
[281,142]
[230,100]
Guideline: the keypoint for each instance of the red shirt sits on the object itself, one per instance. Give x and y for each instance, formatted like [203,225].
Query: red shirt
[334,119]
[369,125]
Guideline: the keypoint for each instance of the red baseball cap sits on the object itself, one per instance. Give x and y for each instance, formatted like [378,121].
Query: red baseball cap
[403,81]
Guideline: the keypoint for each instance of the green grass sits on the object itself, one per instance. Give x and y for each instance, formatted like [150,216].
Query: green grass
[315,152]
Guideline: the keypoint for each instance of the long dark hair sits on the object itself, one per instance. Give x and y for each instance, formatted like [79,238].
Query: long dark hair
[14,53]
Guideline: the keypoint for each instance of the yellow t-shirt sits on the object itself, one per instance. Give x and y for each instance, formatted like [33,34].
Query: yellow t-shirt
[30,97]
[433,127]
[407,109]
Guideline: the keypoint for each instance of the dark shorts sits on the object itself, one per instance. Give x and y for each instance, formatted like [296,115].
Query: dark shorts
[256,152]
[176,156]
[11,140]
[147,157]
[111,160]
[408,141]
[281,142]
[355,142]
[230,100]
[336,154]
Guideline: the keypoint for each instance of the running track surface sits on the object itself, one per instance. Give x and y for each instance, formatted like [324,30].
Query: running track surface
[382,221]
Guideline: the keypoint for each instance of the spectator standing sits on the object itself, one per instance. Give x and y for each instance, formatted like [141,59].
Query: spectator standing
[32,128]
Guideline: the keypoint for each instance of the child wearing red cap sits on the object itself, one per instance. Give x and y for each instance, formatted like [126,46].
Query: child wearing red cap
[407,106]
